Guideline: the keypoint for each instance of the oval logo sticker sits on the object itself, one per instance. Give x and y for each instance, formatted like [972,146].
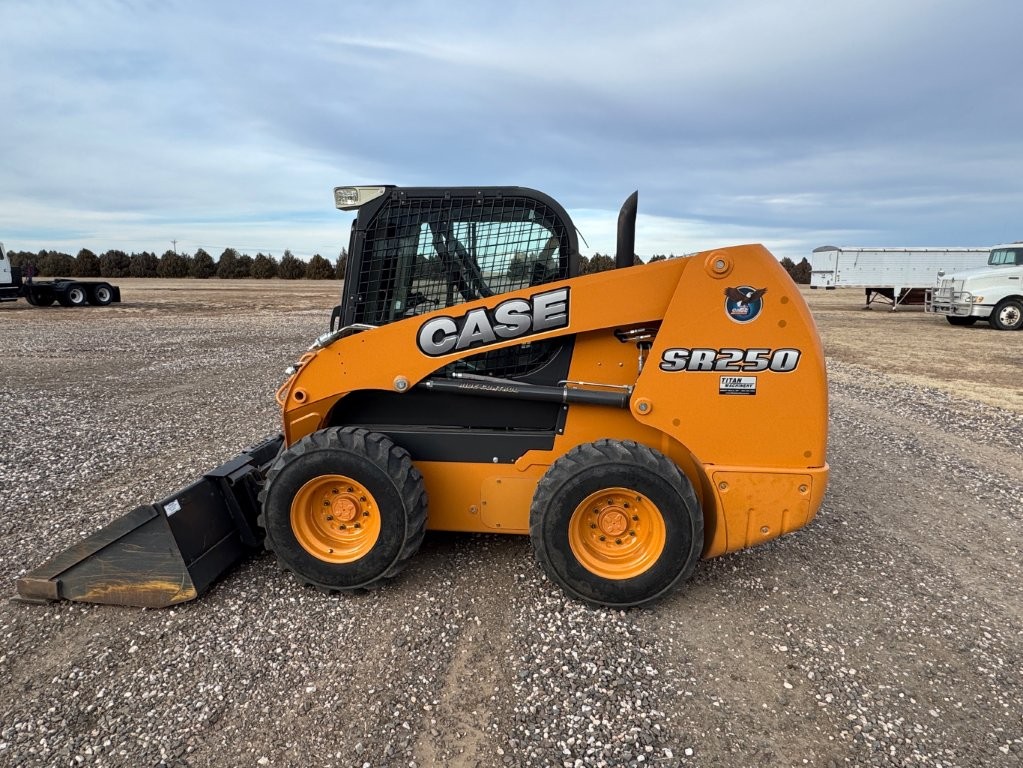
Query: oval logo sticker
[744,303]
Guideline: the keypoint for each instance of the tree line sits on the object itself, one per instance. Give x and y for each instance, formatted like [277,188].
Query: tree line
[231,265]
[234,265]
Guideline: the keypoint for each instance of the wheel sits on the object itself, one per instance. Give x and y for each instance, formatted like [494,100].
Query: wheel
[39,298]
[343,508]
[74,296]
[616,523]
[1008,315]
[953,320]
[101,295]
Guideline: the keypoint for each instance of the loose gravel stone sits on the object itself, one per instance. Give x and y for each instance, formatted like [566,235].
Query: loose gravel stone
[889,632]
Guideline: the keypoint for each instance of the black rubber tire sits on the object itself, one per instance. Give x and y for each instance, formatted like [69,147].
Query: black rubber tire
[100,294]
[373,460]
[954,320]
[73,296]
[590,468]
[44,301]
[1007,315]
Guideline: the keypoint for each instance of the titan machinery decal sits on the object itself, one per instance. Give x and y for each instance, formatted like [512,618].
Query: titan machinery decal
[511,319]
[737,385]
[744,303]
[728,360]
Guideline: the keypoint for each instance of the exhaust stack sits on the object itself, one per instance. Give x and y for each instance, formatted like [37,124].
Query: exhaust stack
[626,253]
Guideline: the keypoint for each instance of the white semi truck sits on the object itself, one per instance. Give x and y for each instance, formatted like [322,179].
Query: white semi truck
[42,293]
[993,293]
[896,276]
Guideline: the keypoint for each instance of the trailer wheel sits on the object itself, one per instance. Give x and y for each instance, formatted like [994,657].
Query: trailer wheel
[343,509]
[74,296]
[953,320]
[616,523]
[1008,315]
[101,295]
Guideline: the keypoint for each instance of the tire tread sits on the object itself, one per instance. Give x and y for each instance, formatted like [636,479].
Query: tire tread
[381,451]
[608,452]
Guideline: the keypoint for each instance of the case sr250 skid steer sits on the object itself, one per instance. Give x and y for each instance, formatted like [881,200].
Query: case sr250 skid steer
[629,421]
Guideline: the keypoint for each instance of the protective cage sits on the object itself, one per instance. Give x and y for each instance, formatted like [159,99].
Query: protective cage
[416,250]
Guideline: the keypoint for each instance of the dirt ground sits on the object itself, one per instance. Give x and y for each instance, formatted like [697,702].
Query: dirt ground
[888,632]
[920,349]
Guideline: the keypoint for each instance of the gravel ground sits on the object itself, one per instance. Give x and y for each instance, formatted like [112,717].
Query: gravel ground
[888,632]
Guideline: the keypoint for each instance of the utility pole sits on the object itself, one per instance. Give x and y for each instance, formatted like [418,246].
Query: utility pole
[175,244]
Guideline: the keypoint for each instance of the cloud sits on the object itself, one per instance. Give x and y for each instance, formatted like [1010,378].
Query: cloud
[127,124]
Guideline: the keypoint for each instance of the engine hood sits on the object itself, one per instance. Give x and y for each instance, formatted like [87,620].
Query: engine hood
[985,274]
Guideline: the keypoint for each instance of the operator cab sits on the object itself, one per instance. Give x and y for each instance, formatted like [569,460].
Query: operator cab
[415,250]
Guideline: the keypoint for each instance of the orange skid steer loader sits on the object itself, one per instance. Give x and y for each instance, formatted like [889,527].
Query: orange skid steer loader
[630,421]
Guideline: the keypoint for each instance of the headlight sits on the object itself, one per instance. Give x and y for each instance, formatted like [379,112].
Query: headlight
[350,198]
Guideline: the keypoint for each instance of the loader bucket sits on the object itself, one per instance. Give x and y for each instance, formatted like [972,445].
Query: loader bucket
[164,553]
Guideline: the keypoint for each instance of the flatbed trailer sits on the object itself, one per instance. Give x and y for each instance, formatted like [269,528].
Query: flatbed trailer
[68,292]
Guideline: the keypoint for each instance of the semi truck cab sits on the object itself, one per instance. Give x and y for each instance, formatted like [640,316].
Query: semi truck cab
[10,279]
[994,293]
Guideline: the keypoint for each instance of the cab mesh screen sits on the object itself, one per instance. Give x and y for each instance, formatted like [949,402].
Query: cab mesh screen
[424,254]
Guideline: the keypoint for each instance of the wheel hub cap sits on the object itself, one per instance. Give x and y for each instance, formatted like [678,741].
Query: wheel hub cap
[335,519]
[616,533]
[613,521]
[345,509]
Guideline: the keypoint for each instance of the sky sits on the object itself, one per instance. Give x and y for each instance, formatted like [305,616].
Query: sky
[172,124]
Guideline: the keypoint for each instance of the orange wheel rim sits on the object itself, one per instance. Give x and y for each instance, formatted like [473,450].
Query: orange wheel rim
[335,519]
[617,533]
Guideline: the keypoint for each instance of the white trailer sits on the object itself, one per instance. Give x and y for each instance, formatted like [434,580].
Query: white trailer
[895,276]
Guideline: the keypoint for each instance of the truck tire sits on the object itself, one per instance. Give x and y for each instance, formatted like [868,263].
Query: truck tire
[100,294]
[1007,315]
[953,320]
[74,295]
[343,509]
[39,298]
[616,523]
